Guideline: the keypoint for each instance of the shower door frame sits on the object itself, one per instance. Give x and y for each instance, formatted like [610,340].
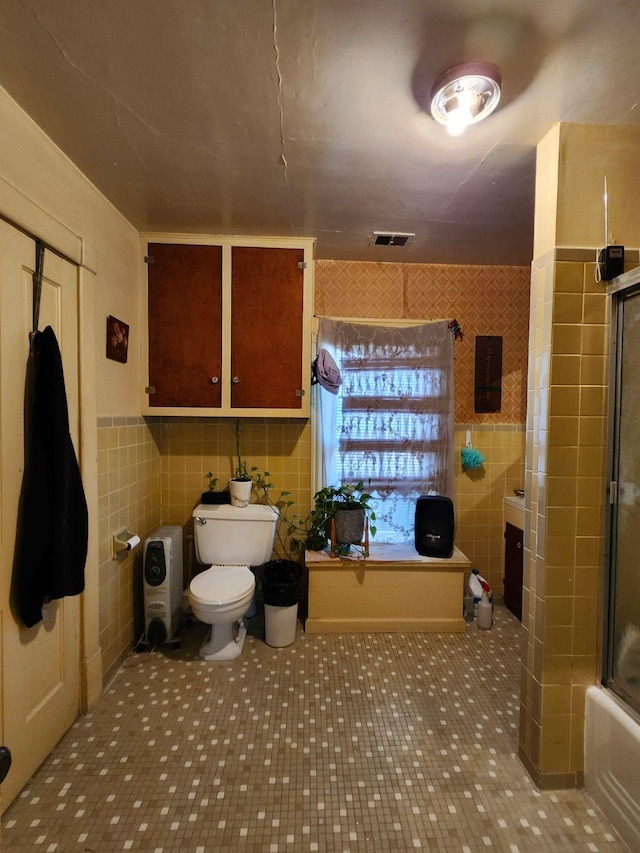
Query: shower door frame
[618,291]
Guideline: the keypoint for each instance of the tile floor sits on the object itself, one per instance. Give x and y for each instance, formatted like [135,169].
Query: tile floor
[336,743]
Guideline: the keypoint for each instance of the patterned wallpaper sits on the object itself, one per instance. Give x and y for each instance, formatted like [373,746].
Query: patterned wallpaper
[486,300]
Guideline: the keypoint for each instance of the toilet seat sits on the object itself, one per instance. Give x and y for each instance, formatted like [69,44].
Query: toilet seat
[220,585]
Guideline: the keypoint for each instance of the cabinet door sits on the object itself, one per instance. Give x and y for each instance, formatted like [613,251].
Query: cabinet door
[513,563]
[185,324]
[266,327]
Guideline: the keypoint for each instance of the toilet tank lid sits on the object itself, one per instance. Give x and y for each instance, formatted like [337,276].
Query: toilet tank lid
[227,512]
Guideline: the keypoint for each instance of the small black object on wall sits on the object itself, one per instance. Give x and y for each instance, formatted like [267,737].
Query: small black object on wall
[610,262]
[488,374]
[434,526]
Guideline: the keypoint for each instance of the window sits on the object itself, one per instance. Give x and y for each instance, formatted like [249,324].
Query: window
[391,423]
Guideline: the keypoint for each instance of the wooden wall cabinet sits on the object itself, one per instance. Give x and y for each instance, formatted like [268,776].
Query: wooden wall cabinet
[229,326]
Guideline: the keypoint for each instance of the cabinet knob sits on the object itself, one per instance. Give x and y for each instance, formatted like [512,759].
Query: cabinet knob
[518,545]
[214,380]
[235,380]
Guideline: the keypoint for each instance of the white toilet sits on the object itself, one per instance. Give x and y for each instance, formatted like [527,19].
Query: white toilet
[228,539]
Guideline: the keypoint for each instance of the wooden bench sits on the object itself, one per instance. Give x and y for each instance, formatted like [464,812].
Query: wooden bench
[392,590]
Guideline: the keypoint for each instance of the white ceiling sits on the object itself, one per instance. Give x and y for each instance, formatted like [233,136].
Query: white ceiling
[306,117]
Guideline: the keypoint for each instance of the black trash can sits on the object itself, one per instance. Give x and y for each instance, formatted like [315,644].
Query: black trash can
[281,583]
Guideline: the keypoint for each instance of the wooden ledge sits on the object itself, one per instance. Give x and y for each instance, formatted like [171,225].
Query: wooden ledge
[386,555]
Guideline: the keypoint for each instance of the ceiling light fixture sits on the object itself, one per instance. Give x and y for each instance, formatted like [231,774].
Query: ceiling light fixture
[465,94]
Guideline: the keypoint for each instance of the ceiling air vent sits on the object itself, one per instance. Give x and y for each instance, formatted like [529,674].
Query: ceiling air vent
[388,238]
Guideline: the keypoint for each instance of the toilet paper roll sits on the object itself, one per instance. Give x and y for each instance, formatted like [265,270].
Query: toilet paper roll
[132,542]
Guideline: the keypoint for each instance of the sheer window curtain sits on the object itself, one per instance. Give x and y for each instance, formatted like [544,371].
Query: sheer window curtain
[392,422]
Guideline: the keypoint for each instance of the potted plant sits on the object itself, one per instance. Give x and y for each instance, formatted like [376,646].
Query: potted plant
[240,484]
[347,506]
[292,528]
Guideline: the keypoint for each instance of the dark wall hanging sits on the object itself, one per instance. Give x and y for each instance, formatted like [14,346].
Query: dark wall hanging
[488,375]
[117,340]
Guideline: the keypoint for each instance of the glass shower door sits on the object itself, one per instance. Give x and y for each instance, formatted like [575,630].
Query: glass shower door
[623,641]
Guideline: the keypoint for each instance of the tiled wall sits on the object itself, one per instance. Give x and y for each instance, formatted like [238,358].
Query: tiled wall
[480,493]
[191,447]
[129,469]
[566,442]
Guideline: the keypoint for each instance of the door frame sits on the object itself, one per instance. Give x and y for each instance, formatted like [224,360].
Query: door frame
[620,289]
[22,213]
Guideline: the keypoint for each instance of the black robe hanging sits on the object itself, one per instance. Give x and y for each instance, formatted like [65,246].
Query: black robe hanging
[51,541]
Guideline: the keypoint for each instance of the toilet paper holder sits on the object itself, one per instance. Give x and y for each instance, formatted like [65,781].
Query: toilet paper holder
[123,541]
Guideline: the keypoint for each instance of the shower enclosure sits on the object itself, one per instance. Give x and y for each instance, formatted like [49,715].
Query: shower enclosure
[622,641]
[612,733]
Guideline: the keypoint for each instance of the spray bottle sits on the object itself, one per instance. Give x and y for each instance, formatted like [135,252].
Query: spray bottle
[485,612]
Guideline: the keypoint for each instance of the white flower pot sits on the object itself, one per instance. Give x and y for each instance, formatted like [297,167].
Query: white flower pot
[240,491]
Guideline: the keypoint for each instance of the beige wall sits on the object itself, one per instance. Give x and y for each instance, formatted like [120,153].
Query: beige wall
[31,164]
[546,204]
[570,187]
[566,438]
[588,154]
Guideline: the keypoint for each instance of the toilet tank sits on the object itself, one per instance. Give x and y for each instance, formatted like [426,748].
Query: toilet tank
[229,535]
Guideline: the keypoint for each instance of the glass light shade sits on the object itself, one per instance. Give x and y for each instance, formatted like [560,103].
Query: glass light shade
[465,94]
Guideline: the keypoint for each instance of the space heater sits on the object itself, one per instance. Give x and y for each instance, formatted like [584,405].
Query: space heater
[163,585]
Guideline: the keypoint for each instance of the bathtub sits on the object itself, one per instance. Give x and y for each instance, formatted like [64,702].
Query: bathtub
[612,762]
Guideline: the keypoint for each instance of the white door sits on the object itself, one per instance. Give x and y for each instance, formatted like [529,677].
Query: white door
[40,666]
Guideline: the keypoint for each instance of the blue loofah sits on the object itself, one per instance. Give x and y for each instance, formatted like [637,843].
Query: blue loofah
[471,458]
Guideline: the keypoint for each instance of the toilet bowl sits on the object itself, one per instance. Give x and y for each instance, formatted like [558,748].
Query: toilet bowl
[220,597]
[228,540]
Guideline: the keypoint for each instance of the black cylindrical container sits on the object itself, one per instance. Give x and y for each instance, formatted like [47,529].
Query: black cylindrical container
[281,582]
